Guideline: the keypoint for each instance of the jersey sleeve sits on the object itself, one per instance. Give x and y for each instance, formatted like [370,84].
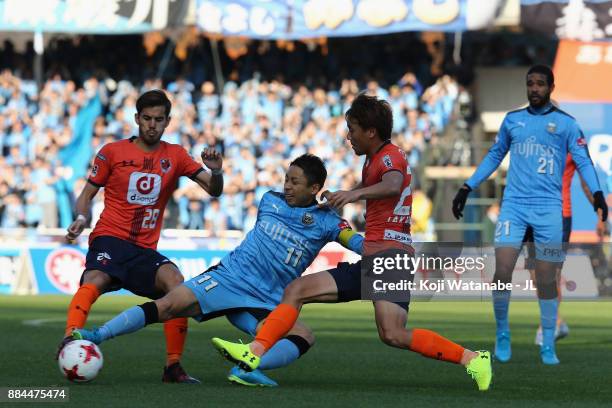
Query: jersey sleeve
[494,157]
[101,168]
[342,233]
[578,147]
[263,203]
[392,161]
[188,167]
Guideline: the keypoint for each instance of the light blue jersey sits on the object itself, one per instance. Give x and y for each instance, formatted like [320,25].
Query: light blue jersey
[283,243]
[538,144]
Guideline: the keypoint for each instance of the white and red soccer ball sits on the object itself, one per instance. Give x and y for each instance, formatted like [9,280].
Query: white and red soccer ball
[80,361]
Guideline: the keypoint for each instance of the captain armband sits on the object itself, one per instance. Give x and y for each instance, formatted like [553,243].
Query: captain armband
[351,240]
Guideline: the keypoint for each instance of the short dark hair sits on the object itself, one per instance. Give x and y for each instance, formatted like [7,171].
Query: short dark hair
[313,167]
[544,70]
[156,97]
[371,112]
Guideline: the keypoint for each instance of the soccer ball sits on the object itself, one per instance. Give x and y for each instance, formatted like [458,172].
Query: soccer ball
[80,361]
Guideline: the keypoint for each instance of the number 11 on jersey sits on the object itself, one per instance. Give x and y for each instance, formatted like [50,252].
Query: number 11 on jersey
[290,252]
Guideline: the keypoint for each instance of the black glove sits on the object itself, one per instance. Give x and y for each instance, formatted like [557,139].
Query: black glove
[599,203]
[459,201]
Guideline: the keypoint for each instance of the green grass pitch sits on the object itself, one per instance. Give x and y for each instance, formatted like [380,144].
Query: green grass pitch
[348,366]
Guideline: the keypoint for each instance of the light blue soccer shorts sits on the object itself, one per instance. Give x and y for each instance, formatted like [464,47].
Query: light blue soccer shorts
[221,294]
[547,225]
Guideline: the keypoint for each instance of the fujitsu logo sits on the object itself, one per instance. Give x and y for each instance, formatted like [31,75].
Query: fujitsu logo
[144,188]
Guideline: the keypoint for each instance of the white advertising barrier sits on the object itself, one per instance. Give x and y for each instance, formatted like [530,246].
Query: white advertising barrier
[57,270]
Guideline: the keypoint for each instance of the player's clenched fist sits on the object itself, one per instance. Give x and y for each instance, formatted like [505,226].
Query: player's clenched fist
[75,229]
[212,158]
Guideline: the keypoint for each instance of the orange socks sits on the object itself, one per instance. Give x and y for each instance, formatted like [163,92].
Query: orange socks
[277,325]
[79,307]
[176,333]
[432,345]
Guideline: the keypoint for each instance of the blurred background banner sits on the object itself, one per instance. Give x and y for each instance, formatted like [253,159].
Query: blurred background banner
[10,265]
[341,18]
[584,20]
[91,16]
[583,88]
[57,269]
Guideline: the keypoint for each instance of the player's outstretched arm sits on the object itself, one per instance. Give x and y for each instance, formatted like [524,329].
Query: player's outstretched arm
[83,206]
[489,164]
[493,159]
[211,182]
[389,186]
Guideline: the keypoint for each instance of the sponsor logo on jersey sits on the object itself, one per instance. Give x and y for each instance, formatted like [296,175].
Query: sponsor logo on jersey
[307,219]
[279,232]
[143,188]
[101,156]
[397,236]
[530,148]
[64,267]
[551,127]
[165,165]
[94,170]
[387,161]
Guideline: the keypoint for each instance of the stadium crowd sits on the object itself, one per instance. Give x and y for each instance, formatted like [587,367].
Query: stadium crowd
[258,124]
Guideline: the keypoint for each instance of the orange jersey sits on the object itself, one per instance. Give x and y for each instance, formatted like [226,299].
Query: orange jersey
[388,219]
[137,186]
[566,183]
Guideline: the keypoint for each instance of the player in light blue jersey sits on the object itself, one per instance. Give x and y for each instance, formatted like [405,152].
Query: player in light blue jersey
[538,138]
[249,282]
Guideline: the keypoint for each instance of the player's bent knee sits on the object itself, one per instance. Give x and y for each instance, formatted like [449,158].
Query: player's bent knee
[547,289]
[169,279]
[176,280]
[294,293]
[390,336]
[99,279]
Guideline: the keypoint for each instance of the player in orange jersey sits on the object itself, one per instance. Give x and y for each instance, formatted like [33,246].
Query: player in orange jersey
[386,189]
[138,176]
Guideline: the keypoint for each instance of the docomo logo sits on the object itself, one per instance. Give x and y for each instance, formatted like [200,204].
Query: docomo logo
[64,267]
[145,184]
[144,188]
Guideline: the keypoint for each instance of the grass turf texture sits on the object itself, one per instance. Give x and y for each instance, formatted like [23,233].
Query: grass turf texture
[349,366]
